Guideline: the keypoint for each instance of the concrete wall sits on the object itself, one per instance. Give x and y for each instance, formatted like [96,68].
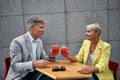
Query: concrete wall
[65,23]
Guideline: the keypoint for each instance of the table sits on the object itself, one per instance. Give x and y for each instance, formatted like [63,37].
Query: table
[70,73]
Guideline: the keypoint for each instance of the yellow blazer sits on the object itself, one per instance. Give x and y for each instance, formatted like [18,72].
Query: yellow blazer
[100,60]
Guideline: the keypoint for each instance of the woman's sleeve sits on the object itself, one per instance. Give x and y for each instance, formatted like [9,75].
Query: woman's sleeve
[104,58]
[80,54]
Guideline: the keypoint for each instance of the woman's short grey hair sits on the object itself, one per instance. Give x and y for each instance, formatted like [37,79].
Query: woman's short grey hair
[34,20]
[96,27]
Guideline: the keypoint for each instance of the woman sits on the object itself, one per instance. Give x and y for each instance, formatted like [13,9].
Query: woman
[95,54]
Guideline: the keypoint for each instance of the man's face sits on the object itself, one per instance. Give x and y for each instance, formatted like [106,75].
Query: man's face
[91,34]
[37,30]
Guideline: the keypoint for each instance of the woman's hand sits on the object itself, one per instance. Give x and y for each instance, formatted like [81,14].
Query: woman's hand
[64,51]
[86,69]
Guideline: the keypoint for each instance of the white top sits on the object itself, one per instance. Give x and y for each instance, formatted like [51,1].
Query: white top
[90,58]
[34,46]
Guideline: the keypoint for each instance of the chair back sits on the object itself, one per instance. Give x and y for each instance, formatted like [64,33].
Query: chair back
[7,65]
[113,67]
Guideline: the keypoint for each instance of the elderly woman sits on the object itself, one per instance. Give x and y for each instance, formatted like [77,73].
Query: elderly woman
[95,54]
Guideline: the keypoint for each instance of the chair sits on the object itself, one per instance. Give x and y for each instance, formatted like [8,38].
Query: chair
[113,67]
[7,65]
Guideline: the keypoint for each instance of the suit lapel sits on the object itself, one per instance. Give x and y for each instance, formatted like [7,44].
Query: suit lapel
[38,51]
[97,51]
[87,48]
[29,46]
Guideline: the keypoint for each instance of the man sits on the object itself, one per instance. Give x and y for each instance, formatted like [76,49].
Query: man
[27,53]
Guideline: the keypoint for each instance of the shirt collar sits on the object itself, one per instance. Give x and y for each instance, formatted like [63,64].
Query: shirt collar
[32,39]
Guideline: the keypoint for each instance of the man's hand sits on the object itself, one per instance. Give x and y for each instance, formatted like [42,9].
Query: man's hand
[54,51]
[40,63]
[52,54]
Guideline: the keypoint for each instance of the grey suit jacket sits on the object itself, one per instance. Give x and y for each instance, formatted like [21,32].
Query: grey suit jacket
[21,57]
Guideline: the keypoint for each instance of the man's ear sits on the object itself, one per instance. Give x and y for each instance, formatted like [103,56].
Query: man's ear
[31,26]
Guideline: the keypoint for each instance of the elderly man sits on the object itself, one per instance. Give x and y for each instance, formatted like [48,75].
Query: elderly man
[27,53]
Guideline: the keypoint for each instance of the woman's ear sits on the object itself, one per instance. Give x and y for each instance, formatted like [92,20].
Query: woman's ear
[97,34]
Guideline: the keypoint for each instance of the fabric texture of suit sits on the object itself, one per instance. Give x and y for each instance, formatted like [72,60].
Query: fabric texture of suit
[21,57]
[100,60]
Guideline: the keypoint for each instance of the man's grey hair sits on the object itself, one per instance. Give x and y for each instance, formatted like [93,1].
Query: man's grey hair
[34,20]
[96,27]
